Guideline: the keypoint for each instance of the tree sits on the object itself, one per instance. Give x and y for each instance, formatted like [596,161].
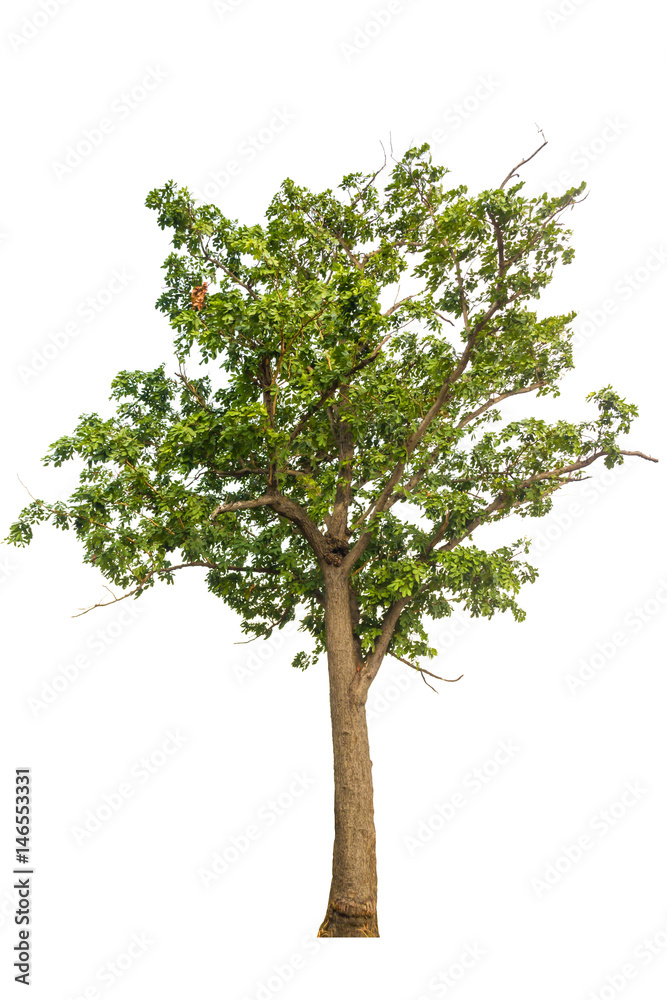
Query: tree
[336,442]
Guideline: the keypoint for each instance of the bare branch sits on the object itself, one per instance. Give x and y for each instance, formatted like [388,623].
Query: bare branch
[131,593]
[294,512]
[397,305]
[393,244]
[226,508]
[581,464]
[437,536]
[497,399]
[363,191]
[422,671]
[640,454]
[513,171]
[34,499]
[435,452]
[237,473]
[350,255]
[386,498]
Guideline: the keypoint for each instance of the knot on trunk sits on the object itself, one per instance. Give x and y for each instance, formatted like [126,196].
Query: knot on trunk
[335,549]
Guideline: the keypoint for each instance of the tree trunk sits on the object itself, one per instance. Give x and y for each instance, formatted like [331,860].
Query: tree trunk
[352,909]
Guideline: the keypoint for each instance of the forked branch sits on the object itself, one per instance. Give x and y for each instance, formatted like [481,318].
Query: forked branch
[422,671]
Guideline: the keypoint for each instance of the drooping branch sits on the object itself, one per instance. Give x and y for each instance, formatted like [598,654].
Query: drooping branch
[422,671]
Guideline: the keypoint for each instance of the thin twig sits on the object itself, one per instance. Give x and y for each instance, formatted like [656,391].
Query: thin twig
[422,671]
[513,171]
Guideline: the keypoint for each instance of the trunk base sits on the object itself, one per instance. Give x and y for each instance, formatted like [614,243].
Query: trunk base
[339,924]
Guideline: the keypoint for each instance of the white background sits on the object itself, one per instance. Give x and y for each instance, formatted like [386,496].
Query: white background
[485,75]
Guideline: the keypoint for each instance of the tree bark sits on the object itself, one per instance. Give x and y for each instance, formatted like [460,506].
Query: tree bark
[352,908]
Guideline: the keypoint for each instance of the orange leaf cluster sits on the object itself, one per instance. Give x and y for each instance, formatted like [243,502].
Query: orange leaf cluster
[198,295]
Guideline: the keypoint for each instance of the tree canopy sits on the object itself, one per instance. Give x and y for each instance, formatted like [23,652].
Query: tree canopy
[341,370]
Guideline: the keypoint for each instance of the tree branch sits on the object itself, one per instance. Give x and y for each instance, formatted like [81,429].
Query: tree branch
[286,507]
[374,661]
[499,244]
[397,305]
[457,266]
[383,500]
[292,511]
[130,593]
[495,400]
[226,508]
[331,389]
[343,497]
[365,188]
[191,389]
[422,671]
[640,454]
[218,263]
[527,159]
[501,502]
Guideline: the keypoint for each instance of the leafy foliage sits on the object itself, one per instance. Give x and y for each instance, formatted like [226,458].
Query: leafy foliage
[332,421]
